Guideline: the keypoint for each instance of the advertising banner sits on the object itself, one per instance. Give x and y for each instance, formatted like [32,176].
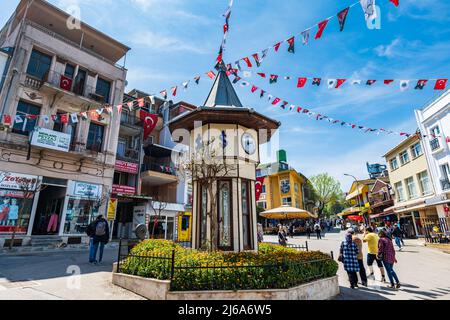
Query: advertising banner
[127,167]
[50,139]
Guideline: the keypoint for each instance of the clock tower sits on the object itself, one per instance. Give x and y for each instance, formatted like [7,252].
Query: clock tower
[231,132]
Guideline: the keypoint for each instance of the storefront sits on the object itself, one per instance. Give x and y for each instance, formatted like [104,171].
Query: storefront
[163,223]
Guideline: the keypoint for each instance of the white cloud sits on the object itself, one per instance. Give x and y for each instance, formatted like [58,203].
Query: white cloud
[388,50]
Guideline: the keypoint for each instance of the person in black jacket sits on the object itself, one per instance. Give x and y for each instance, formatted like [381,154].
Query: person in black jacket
[98,231]
[397,234]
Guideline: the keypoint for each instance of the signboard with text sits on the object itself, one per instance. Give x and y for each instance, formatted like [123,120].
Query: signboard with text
[121,189]
[17,181]
[50,139]
[112,207]
[87,190]
[127,167]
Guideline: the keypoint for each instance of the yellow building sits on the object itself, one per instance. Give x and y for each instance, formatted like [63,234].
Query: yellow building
[283,185]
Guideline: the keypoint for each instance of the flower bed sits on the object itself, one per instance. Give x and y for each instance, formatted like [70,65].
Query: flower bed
[273,267]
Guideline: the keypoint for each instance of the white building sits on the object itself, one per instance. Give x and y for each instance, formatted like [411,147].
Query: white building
[434,120]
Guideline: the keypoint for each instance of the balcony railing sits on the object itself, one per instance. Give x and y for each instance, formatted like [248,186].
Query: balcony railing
[130,120]
[434,144]
[162,168]
[445,184]
[128,154]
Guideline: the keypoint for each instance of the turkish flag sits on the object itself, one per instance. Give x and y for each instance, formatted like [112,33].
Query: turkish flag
[258,187]
[388,81]
[65,83]
[7,120]
[395,2]
[440,84]
[149,121]
[301,82]
[321,26]
[340,82]
[64,118]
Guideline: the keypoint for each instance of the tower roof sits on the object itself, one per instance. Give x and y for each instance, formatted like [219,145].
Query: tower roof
[222,92]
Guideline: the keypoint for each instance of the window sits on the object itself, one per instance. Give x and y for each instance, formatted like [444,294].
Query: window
[39,64]
[399,191]
[185,223]
[412,193]
[434,144]
[262,204]
[263,189]
[404,157]
[121,147]
[246,217]
[70,71]
[12,202]
[203,216]
[445,171]
[26,124]
[124,179]
[296,187]
[103,89]
[224,216]
[285,186]
[416,150]
[424,182]
[95,137]
[287,201]
[394,164]
[79,214]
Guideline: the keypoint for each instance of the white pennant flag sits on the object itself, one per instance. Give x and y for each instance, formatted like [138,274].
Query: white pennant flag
[247,74]
[46,119]
[18,119]
[74,117]
[369,9]
[264,54]
[185,85]
[270,97]
[404,85]
[305,35]
[332,83]
[244,84]
[152,100]
[355,82]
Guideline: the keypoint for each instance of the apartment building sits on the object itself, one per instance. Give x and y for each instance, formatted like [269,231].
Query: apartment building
[413,186]
[434,120]
[52,77]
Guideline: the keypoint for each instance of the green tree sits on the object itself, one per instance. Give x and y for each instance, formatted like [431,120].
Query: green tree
[327,190]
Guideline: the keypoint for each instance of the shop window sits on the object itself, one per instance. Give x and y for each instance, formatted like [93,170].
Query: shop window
[39,64]
[224,216]
[103,89]
[95,137]
[15,210]
[80,212]
[27,125]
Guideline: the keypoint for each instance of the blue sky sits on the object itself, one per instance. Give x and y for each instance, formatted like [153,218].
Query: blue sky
[174,40]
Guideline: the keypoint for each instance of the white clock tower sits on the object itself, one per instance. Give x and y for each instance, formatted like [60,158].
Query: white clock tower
[235,133]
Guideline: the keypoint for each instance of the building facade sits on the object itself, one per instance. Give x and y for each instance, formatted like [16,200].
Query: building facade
[413,186]
[434,120]
[52,77]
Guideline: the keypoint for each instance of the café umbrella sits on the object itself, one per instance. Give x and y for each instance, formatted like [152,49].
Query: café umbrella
[286,213]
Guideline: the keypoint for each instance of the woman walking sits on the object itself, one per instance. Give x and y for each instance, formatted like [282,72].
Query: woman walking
[349,256]
[386,253]
[282,239]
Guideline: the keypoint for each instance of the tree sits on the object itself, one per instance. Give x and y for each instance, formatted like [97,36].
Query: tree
[206,166]
[326,190]
[158,206]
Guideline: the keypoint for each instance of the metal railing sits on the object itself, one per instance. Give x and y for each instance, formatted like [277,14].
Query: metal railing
[162,168]
[445,184]
[128,119]
[294,246]
[434,144]
[443,229]
[128,154]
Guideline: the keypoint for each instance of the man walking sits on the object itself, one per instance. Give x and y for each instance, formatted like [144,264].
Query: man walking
[372,240]
[397,234]
[98,231]
[318,230]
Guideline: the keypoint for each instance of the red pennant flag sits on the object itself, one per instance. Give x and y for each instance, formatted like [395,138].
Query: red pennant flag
[263,75]
[321,26]
[275,101]
[440,84]
[94,115]
[225,28]
[277,46]
[7,121]
[249,63]
[388,81]
[64,118]
[342,16]
[254,88]
[370,82]
[447,139]
[301,82]
[149,121]
[211,74]
[164,94]
[141,102]
[174,91]
[219,57]
[299,109]
[340,82]
[395,2]
[256,57]
[119,108]
[258,187]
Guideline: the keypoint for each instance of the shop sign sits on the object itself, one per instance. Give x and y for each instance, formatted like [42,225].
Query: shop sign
[112,207]
[50,139]
[87,190]
[121,189]
[17,181]
[127,167]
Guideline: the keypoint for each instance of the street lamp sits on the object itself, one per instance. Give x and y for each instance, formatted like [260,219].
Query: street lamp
[356,180]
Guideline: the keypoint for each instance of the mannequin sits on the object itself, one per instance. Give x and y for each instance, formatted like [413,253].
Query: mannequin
[53,223]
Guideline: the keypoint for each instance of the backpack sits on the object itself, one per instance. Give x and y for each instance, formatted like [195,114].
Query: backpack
[100,228]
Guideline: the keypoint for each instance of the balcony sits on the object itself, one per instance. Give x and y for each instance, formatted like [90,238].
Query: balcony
[128,154]
[434,144]
[154,174]
[130,125]
[445,184]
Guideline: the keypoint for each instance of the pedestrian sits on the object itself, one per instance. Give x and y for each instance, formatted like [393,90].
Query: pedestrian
[386,253]
[372,240]
[282,239]
[291,230]
[98,231]
[308,230]
[260,232]
[397,234]
[362,269]
[318,230]
[348,255]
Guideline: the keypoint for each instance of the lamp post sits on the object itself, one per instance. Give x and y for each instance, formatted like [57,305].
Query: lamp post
[356,180]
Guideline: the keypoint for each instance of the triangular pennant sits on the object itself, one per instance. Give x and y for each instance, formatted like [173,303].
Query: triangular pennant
[164,93]
[395,2]
[291,42]
[342,16]
[388,81]
[404,85]
[264,54]
[277,46]
[141,102]
[254,88]
[368,7]
[248,62]
[273,78]
[301,82]
[130,105]
[119,109]
[185,85]
[332,83]
[74,118]
[370,82]
[174,91]
[197,79]
[321,27]
[356,81]
[108,110]
[262,93]
[236,79]
[256,57]
[316,81]
[244,84]
[421,84]
[305,36]
[64,118]
[238,65]
[45,119]
[84,115]
[247,74]
[340,82]
[211,74]
[262,75]
[275,101]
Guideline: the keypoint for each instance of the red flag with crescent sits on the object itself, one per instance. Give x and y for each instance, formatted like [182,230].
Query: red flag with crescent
[149,121]
[258,187]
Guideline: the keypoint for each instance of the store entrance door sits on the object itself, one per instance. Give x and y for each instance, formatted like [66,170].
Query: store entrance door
[49,210]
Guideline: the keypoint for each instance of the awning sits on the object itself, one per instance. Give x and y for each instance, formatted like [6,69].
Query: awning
[286,212]
[355,193]
[351,210]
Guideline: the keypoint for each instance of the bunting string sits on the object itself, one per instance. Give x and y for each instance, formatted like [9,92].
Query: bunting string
[226,28]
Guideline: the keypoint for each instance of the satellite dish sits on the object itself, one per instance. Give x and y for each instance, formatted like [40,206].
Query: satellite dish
[141,231]
[126,83]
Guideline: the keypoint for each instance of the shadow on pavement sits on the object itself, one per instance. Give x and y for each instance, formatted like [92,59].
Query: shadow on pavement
[359,294]
[53,265]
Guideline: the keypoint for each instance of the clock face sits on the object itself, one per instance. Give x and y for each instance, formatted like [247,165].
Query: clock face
[248,143]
